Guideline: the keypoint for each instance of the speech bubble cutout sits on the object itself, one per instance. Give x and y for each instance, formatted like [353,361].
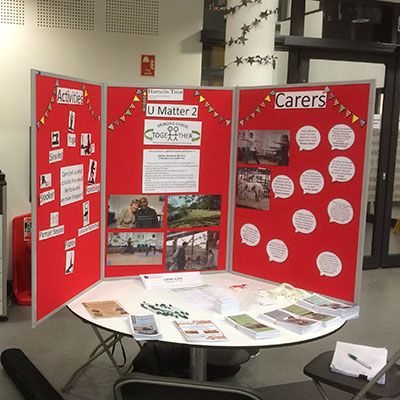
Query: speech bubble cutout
[340,211]
[304,221]
[341,169]
[329,264]
[308,138]
[341,137]
[250,235]
[277,251]
[282,186]
[311,181]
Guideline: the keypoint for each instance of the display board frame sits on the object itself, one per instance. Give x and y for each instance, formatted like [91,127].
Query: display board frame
[233,164]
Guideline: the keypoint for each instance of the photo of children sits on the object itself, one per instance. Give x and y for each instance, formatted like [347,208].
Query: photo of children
[134,248]
[134,211]
[266,147]
[187,211]
[253,188]
[192,250]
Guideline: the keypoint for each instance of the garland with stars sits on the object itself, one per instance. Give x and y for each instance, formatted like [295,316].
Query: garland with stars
[243,3]
[45,115]
[128,111]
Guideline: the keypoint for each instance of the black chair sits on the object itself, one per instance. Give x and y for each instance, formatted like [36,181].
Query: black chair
[138,386]
[319,370]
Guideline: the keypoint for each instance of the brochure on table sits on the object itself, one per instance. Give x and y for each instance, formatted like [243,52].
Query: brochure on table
[136,180]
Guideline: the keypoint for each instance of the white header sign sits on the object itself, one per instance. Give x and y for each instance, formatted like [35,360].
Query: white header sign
[165,94]
[175,133]
[172,280]
[171,110]
[307,99]
[69,96]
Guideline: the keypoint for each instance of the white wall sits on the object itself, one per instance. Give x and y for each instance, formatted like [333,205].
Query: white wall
[94,55]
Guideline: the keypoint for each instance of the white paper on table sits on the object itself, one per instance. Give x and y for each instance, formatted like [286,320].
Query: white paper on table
[172,280]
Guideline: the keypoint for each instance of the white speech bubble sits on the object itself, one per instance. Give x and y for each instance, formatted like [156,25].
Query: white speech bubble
[282,186]
[308,138]
[341,137]
[340,211]
[250,235]
[341,169]
[329,264]
[304,221]
[311,181]
[277,250]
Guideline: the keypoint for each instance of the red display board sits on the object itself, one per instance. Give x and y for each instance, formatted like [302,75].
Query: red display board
[300,171]
[66,197]
[171,148]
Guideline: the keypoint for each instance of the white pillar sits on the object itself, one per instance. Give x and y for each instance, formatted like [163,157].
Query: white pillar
[260,41]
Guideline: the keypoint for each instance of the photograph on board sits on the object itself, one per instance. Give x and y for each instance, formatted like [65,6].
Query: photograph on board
[265,147]
[187,211]
[253,188]
[135,211]
[134,248]
[192,250]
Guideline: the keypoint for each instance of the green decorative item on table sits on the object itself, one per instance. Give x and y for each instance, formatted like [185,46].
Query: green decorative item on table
[167,310]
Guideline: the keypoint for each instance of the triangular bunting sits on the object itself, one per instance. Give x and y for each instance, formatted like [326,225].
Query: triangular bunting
[54,91]
[241,122]
[122,118]
[268,98]
[220,118]
[228,122]
[136,99]
[42,120]
[263,104]
[38,124]
[116,122]
[84,87]
[331,96]
[207,103]
[46,114]
[132,106]
[99,117]
[210,109]
[52,99]
[49,107]
[326,90]
[111,126]
[247,119]
[215,114]
[341,108]
[252,115]
[90,107]
[354,118]
[362,123]
[128,112]
[57,84]
[86,94]
[196,93]
[87,101]
[201,99]
[273,93]
[138,91]
[348,113]
[258,109]
[335,103]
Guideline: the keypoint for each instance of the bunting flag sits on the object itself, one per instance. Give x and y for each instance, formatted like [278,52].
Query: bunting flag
[258,109]
[336,102]
[128,112]
[46,113]
[210,108]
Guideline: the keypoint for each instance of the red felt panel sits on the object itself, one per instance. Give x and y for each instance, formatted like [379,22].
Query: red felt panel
[345,104]
[53,286]
[125,145]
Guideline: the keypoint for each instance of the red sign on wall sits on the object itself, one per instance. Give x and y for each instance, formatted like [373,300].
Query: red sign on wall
[147,65]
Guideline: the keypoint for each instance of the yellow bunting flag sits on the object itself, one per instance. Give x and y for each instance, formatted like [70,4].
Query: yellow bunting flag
[136,98]
[42,120]
[268,99]
[354,118]
[86,94]
[201,99]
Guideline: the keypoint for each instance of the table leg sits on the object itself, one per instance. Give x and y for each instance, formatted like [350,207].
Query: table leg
[93,356]
[198,363]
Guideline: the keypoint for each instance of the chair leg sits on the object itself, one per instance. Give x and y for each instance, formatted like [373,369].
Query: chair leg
[320,390]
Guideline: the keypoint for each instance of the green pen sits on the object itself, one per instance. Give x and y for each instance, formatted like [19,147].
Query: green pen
[353,357]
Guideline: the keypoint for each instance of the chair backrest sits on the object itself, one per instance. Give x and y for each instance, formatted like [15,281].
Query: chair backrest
[139,386]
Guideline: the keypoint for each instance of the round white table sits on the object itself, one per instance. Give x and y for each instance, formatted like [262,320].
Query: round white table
[130,293]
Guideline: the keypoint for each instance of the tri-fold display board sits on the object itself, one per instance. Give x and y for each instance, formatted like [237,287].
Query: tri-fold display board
[263,181]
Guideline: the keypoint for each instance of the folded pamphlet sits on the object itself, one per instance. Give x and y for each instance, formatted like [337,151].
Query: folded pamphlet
[359,361]
[144,327]
[105,309]
[299,311]
[252,327]
[200,331]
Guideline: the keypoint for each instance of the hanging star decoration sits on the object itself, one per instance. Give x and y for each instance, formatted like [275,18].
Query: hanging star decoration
[52,102]
[246,28]
[341,107]
[257,59]
[243,3]
[128,112]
